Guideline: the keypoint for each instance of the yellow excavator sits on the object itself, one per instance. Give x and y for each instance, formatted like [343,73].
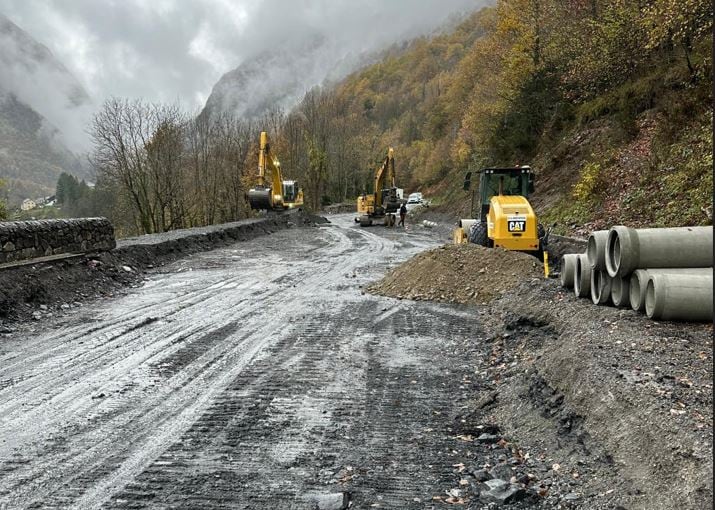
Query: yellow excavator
[280,195]
[384,202]
[505,217]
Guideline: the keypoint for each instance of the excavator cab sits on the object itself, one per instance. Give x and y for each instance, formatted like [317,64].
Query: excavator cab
[290,191]
[390,200]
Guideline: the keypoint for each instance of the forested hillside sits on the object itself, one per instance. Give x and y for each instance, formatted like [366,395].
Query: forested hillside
[609,101]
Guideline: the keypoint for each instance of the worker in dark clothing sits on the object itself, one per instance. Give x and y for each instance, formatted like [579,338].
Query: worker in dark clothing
[403,213]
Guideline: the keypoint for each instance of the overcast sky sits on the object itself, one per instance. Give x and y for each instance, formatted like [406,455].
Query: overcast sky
[171,50]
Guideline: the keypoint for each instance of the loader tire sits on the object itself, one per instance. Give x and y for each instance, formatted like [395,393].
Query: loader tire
[478,234]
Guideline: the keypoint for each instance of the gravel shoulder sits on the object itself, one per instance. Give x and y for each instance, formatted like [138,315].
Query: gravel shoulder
[617,408]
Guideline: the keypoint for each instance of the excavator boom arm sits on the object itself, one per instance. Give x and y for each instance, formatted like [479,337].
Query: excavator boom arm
[266,161]
[385,173]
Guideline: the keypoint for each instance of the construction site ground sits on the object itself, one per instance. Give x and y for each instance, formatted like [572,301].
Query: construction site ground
[270,374]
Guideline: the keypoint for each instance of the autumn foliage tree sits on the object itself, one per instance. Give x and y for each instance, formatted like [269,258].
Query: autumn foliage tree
[502,84]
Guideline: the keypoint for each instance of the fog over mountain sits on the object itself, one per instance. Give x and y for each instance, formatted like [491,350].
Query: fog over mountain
[62,59]
[172,50]
[43,110]
[304,47]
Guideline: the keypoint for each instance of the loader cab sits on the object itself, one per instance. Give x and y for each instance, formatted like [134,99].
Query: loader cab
[515,181]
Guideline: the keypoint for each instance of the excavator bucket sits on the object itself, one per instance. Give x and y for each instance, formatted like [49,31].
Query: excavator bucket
[260,198]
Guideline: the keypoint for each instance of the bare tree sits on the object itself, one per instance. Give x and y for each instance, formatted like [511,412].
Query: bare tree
[177,172]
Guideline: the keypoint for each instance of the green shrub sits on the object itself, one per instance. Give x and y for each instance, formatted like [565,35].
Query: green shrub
[586,188]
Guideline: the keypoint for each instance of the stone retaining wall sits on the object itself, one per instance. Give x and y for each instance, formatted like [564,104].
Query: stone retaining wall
[22,240]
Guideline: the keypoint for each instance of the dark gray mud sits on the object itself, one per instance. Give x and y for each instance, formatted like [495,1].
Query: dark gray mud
[261,376]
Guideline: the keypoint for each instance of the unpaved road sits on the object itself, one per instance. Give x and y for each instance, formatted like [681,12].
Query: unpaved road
[255,376]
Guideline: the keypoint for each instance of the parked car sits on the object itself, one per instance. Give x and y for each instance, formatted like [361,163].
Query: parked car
[415,200]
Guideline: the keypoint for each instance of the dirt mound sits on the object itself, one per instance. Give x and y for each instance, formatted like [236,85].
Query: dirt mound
[464,274]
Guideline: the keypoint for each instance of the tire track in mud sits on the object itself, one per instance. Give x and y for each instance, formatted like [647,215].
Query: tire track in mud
[68,449]
[314,411]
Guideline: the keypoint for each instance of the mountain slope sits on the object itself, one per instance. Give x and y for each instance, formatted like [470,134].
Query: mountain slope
[294,50]
[609,101]
[37,94]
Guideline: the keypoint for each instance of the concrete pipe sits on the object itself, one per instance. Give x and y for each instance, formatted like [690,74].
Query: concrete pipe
[628,249]
[600,287]
[582,276]
[620,295]
[596,249]
[568,269]
[639,282]
[684,297]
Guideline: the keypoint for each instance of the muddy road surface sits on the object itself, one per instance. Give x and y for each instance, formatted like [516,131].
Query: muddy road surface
[255,376]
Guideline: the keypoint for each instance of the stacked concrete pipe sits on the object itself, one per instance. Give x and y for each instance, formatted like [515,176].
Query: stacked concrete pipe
[659,250]
[665,271]
[638,283]
[600,287]
[568,270]
[679,297]
[582,276]
[620,291]
[596,249]
[596,255]
[628,249]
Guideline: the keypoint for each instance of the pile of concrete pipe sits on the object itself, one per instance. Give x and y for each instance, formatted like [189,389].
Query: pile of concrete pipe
[666,272]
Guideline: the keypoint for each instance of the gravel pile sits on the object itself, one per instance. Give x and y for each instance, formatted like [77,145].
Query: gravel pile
[465,274]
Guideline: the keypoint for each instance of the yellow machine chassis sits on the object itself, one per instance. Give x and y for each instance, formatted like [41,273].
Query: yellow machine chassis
[512,223]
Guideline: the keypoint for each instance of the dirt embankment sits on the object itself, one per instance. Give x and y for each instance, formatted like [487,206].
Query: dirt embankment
[617,409]
[41,289]
[464,273]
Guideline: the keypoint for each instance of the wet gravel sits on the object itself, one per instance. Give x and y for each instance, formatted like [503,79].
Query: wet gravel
[262,375]
[256,376]
[40,290]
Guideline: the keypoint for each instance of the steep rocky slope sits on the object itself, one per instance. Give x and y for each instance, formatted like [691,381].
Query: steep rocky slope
[37,96]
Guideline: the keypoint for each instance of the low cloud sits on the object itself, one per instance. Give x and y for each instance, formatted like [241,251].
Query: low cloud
[175,51]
